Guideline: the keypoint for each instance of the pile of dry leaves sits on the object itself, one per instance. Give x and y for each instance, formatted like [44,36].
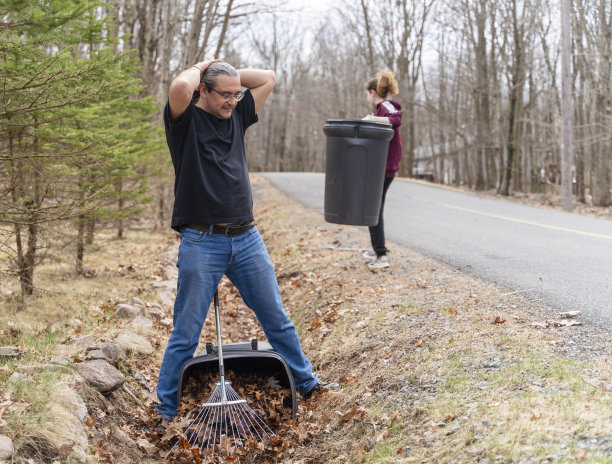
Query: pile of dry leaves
[279,433]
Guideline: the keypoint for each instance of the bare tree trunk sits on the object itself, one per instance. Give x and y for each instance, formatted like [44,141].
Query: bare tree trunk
[580,148]
[568,110]
[191,47]
[601,187]
[120,206]
[91,228]
[226,18]
[482,94]
[29,201]
[366,18]
[80,245]
[515,101]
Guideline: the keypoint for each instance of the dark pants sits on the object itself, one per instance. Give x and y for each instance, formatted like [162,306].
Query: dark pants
[377,232]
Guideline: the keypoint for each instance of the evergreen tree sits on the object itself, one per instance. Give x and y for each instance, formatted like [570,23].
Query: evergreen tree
[71,123]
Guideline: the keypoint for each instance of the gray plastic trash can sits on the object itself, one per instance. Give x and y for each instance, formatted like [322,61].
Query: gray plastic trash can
[355,170]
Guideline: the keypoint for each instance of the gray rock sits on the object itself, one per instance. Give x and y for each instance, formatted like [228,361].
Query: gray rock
[10,352]
[71,401]
[132,342]
[66,429]
[166,296]
[75,380]
[170,273]
[171,255]
[6,448]
[83,340]
[96,354]
[112,351]
[156,313]
[138,302]
[166,284]
[142,324]
[101,375]
[126,311]
[60,361]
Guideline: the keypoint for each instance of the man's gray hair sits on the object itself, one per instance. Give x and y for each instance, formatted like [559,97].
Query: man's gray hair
[216,69]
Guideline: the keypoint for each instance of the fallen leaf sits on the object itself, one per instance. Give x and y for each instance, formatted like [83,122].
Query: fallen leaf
[499,320]
[65,450]
[316,323]
[356,414]
[147,447]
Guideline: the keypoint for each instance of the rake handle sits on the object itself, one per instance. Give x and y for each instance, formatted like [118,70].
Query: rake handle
[219,344]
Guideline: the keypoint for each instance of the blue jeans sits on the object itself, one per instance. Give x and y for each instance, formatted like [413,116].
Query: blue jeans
[202,261]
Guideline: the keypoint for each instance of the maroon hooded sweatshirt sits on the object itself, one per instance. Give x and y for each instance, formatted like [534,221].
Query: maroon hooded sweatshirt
[392,110]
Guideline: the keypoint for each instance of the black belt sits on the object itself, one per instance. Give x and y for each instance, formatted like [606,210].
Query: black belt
[231,230]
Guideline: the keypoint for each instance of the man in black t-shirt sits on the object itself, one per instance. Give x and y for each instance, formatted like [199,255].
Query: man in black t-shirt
[206,117]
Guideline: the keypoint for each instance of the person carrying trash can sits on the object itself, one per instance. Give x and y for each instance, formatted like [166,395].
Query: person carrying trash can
[378,91]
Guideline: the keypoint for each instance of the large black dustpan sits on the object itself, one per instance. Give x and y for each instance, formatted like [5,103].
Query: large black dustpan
[254,358]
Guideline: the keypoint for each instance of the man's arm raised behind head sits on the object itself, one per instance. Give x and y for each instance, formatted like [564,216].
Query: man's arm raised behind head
[183,86]
[260,82]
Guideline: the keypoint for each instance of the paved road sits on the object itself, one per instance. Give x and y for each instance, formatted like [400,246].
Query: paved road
[561,258]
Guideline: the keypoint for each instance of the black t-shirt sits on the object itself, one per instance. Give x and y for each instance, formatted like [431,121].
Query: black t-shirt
[212,178]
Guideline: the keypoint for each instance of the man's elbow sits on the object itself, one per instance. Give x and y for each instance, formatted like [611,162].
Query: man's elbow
[180,88]
[271,78]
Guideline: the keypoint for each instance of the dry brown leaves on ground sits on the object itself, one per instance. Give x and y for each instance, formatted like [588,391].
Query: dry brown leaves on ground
[271,440]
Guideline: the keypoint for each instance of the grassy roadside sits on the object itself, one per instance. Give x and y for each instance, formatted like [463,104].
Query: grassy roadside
[67,314]
[435,365]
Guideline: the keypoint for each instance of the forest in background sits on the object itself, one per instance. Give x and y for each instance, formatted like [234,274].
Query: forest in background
[83,83]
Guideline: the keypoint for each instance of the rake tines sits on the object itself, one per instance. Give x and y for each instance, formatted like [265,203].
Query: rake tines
[225,422]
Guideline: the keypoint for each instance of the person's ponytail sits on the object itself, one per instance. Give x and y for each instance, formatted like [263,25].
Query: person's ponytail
[387,84]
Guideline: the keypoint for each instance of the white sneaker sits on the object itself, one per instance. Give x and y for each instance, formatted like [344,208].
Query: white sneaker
[379,263]
[370,255]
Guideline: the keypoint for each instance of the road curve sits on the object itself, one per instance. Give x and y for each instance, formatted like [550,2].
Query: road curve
[563,259]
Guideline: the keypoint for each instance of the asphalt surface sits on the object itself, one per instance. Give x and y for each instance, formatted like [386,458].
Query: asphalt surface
[562,259]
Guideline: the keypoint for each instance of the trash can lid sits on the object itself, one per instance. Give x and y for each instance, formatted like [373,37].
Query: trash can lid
[357,122]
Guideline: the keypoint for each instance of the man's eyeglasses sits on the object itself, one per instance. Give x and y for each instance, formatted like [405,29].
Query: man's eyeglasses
[229,96]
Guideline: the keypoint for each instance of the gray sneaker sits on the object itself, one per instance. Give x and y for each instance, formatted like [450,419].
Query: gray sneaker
[370,255]
[379,263]
[321,386]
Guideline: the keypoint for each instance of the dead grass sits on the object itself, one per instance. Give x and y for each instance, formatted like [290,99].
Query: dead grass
[61,311]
